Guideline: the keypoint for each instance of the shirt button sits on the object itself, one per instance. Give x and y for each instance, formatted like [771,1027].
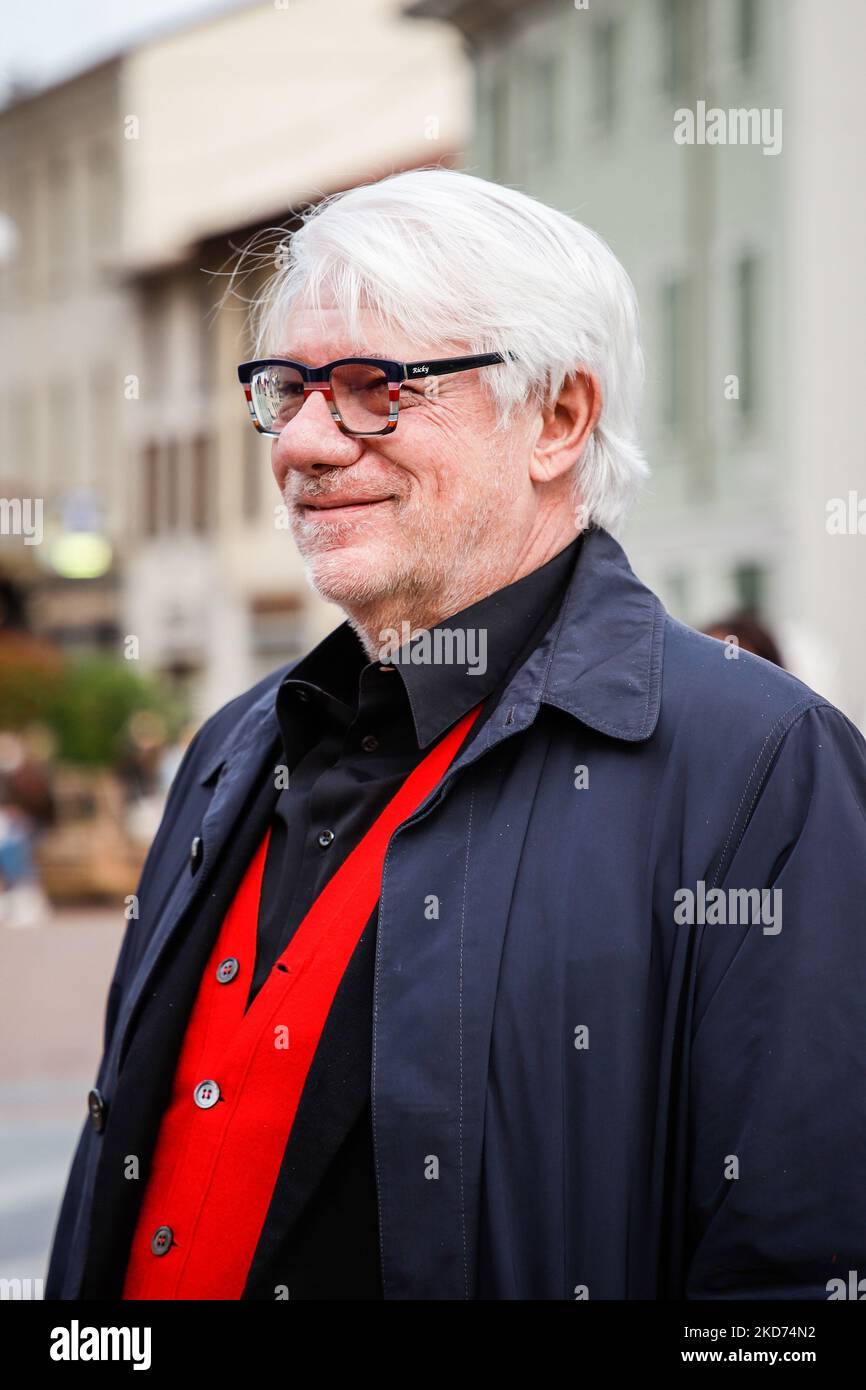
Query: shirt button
[325,838]
[369,743]
[161,1240]
[96,1110]
[206,1094]
[196,850]
[227,969]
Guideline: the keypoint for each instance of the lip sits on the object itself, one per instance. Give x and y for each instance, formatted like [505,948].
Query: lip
[347,505]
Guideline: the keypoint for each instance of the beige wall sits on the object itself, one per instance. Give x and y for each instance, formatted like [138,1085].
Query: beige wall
[277,103]
[825,454]
[119,177]
[63,318]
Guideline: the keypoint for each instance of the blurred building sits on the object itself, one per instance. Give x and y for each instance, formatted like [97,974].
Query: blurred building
[749,270]
[122,194]
[63,334]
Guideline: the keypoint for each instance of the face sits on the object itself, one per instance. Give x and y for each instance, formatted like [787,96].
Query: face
[420,515]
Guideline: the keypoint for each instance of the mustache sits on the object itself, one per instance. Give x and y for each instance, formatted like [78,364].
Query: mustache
[306,490]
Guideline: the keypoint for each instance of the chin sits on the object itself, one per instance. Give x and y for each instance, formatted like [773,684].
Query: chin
[355,574]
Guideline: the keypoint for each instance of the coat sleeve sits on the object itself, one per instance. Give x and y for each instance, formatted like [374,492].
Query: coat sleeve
[776,1175]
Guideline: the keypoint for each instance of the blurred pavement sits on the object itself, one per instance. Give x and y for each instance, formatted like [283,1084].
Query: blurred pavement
[53,986]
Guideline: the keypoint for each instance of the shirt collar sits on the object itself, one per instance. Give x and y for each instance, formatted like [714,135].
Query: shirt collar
[457,663]
[491,636]
[600,661]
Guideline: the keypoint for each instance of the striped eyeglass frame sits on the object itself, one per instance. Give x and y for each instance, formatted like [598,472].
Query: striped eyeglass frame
[397,373]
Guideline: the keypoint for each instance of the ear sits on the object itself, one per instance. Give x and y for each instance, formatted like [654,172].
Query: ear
[565,427]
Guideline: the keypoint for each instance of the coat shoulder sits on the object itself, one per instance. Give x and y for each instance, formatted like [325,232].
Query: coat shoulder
[722,687]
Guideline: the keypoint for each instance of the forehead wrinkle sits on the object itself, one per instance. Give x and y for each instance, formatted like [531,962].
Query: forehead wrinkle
[354,352]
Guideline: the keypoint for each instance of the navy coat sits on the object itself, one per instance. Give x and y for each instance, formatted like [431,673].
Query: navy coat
[576,1093]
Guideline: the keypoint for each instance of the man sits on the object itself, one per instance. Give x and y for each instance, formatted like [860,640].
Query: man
[510,943]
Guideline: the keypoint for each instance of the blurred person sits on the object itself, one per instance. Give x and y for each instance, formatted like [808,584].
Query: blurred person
[171,758]
[139,769]
[26,807]
[461,968]
[751,634]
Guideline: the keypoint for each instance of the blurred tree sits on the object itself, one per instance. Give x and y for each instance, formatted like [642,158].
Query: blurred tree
[87,703]
[32,672]
[90,711]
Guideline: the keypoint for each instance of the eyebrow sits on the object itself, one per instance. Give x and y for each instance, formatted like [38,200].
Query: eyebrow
[361,352]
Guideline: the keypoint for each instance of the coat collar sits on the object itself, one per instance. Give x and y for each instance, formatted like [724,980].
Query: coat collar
[601,661]
[502,630]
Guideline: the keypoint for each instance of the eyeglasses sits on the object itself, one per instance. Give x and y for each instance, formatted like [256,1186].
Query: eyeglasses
[363,393]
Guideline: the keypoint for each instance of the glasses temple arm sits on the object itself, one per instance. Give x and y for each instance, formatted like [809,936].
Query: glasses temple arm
[441,366]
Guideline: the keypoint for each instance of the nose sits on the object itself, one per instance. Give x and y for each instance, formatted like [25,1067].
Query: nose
[311,441]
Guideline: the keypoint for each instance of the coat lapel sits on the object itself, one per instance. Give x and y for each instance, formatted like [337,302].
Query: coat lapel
[244,761]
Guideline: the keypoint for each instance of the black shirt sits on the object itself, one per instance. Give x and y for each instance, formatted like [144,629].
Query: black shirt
[352,731]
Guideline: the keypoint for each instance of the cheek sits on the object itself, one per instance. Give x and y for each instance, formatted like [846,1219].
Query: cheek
[444,452]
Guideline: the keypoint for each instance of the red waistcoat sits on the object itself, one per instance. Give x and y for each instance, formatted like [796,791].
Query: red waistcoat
[240,1075]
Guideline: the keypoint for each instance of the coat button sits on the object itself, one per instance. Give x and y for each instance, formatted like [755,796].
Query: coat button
[369,743]
[227,969]
[162,1239]
[206,1094]
[196,850]
[325,838]
[96,1109]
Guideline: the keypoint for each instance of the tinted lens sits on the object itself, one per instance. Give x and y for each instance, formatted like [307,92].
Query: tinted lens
[277,396]
[361,396]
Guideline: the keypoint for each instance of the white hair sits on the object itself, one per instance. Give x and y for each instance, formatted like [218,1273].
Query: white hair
[455,261]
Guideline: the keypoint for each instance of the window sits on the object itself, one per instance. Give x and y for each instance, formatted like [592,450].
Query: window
[542,90]
[605,54]
[750,583]
[499,127]
[201,484]
[276,628]
[154,339]
[104,464]
[24,452]
[102,198]
[205,345]
[172,486]
[746,329]
[61,248]
[677,28]
[255,466]
[746,32]
[676,355]
[677,593]
[150,489]
[63,431]
[23,212]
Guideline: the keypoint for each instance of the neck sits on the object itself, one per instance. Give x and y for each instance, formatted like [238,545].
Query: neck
[376,622]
